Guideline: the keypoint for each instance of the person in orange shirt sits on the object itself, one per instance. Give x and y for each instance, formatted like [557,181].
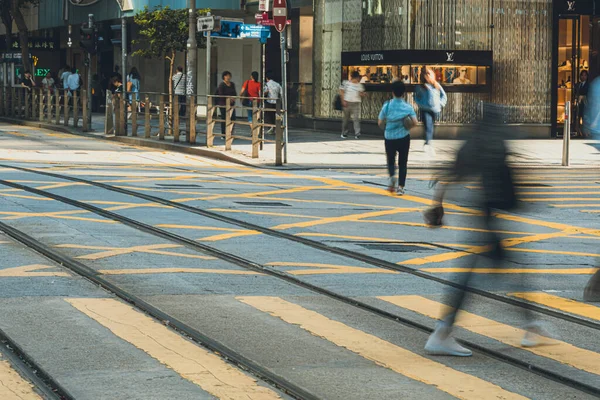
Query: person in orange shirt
[250,90]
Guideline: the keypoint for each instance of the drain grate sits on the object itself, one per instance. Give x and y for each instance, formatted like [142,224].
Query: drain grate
[530,185]
[262,203]
[394,247]
[174,186]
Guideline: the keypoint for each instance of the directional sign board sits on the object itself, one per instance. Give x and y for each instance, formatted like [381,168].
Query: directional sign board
[230,29]
[249,31]
[280,14]
[264,5]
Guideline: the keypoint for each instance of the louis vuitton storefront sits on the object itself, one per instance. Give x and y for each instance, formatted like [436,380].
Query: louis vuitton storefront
[511,52]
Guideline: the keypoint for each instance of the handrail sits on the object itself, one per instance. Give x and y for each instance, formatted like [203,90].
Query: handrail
[152,114]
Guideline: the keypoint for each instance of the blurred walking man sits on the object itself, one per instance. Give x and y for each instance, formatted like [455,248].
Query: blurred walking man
[483,155]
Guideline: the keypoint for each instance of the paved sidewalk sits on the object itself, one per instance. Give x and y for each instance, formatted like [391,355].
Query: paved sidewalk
[314,149]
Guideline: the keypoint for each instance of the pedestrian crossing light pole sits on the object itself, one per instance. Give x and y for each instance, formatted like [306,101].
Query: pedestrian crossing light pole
[280,16]
[192,48]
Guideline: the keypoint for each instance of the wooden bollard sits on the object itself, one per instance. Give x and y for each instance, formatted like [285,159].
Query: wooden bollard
[192,119]
[147,132]
[134,127]
[176,118]
[161,118]
[66,107]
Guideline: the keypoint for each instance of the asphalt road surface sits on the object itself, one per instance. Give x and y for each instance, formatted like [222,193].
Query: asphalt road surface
[128,273]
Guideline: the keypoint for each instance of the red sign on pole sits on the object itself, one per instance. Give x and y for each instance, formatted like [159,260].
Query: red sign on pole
[280,14]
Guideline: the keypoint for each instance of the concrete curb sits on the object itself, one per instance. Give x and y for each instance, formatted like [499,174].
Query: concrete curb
[221,156]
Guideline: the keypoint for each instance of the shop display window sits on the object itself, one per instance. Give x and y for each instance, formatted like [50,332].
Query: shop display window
[447,75]
[457,71]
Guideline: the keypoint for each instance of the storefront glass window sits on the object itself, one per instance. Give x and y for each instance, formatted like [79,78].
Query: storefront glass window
[518,32]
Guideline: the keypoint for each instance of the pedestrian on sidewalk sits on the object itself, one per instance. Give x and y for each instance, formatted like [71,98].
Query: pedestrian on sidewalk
[251,91]
[273,91]
[179,82]
[48,83]
[581,91]
[431,98]
[482,155]
[64,77]
[351,93]
[397,117]
[73,81]
[226,91]
[27,81]
[133,85]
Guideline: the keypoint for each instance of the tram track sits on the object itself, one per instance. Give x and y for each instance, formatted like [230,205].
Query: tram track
[238,359]
[373,261]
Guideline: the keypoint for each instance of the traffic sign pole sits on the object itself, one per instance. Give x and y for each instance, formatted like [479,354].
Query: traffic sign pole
[280,20]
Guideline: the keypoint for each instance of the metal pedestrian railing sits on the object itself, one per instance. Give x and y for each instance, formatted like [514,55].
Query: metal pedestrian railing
[157,116]
[56,106]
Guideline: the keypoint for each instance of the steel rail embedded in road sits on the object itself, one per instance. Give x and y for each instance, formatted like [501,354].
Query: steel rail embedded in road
[376,262]
[288,387]
[28,368]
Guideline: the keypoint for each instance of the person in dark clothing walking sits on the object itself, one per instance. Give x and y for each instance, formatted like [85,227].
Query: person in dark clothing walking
[226,88]
[397,117]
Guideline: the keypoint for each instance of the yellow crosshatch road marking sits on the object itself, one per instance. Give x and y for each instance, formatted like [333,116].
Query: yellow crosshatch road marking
[274,214]
[192,362]
[126,206]
[563,199]
[61,185]
[226,236]
[557,193]
[567,253]
[483,249]
[594,205]
[23,196]
[200,228]
[562,352]
[560,303]
[337,203]
[449,227]
[556,271]
[381,352]
[35,270]
[149,271]
[55,214]
[117,251]
[13,386]
[344,218]
[254,194]
[322,269]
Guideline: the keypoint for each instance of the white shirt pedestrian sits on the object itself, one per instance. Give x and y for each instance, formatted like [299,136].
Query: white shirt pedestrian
[63,79]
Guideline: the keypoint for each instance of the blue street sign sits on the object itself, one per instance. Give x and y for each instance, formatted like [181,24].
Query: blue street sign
[251,31]
[239,30]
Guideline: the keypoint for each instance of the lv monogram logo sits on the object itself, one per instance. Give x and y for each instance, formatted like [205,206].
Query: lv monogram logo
[449,56]
[571,5]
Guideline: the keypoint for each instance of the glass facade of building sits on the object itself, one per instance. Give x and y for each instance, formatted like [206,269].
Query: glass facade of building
[518,33]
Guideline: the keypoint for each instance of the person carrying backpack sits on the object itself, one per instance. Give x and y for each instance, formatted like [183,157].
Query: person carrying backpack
[431,98]
[397,117]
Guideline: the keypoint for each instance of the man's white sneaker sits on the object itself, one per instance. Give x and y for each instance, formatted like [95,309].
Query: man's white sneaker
[400,191]
[440,343]
[344,136]
[537,333]
[357,136]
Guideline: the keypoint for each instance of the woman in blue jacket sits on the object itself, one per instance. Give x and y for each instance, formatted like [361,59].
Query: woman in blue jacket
[431,98]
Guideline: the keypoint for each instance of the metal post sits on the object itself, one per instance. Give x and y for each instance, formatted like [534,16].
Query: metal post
[209,121]
[209,142]
[134,115]
[124,61]
[192,48]
[263,79]
[283,43]
[89,76]
[566,135]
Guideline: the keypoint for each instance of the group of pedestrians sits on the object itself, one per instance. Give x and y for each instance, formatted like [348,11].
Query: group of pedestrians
[252,90]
